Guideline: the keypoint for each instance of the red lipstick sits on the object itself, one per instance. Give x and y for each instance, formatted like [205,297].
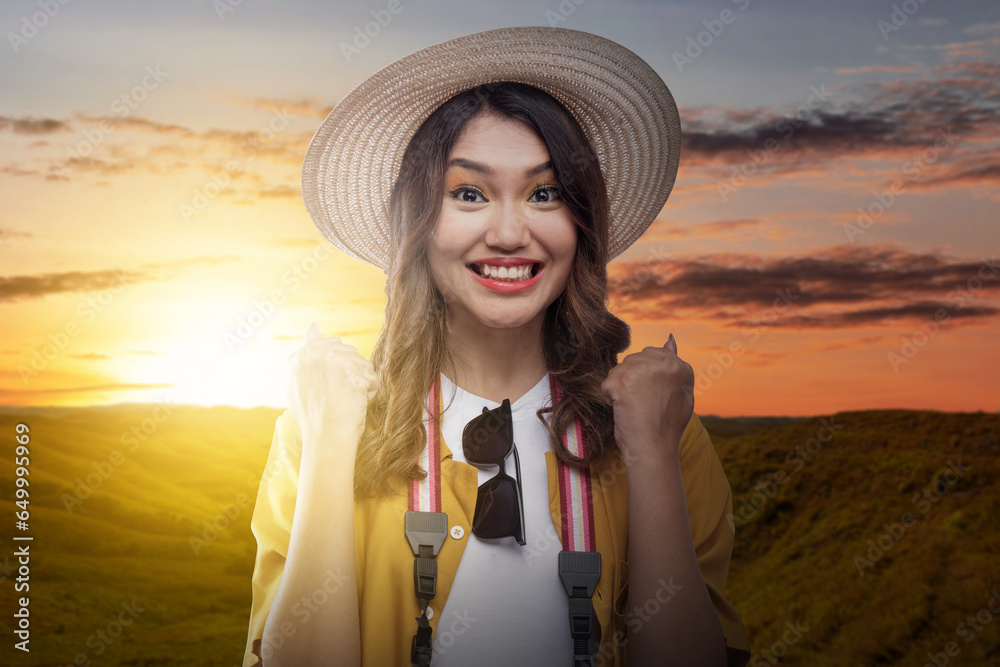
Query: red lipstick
[506,286]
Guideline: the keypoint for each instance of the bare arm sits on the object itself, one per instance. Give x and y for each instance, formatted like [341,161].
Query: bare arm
[684,629]
[672,619]
[314,619]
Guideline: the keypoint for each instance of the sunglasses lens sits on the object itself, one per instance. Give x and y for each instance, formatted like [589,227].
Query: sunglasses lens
[487,438]
[497,513]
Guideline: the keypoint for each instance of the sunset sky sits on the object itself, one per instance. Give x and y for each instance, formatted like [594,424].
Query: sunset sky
[831,242]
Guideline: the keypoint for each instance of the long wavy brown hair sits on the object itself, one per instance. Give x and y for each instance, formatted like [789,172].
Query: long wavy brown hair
[582,339]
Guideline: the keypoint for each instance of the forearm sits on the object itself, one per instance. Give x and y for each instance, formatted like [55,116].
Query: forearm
[672,618]
[314,619]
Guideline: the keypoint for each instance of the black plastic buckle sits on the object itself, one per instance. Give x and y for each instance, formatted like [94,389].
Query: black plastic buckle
[580,571]
[425,571]
[426,532]
[581,613]
[427,529]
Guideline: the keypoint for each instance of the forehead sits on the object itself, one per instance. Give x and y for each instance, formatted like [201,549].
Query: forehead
[495,139]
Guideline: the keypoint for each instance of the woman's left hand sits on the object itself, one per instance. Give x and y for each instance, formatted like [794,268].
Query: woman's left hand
[652,394]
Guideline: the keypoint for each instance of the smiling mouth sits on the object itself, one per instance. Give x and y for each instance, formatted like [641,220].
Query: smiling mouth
[511,274]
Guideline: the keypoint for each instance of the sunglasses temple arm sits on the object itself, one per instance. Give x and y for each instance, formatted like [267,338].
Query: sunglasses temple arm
[520,495]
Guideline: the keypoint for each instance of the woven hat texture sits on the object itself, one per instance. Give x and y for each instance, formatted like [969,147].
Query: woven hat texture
[622,104]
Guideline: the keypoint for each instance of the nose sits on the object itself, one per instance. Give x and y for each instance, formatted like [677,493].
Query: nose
[508,228]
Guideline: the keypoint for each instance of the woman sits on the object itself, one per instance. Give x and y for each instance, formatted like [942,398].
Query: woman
[520,162]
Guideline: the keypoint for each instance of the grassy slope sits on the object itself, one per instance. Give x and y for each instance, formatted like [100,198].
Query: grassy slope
[793,560]
[794,555]
[131,538]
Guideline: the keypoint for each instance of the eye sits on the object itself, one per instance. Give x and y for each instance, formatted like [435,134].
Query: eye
[544,194]
[468,194]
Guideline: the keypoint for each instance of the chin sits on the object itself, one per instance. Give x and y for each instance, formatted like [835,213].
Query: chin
[497,323]
[495,320]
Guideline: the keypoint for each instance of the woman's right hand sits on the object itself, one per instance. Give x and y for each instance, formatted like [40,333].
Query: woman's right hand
[330,384]
[329,389]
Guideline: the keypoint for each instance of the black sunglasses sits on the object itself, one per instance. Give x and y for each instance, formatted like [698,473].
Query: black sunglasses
[487,441]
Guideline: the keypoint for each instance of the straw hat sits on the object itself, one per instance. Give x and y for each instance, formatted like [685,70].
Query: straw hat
[623,106]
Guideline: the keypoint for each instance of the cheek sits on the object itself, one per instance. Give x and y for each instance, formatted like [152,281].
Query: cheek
[563,241]
[444,248]
[441,244]
[437,260]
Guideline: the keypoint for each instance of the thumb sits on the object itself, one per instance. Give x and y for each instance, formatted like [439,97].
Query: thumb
[671,344]
[313,333]
[606,389]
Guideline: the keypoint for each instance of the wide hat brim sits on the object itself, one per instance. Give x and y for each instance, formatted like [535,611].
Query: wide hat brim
[622,104]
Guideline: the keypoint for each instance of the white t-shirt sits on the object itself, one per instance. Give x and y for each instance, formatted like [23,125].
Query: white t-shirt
[507,605]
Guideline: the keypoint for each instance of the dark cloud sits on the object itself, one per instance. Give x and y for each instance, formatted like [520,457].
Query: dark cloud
[108,146]
[32,125]
[838,287]
[137,125]
[17,288]
[814,131]
[971,175]
[915,311]
[14,288]
[895,120]
[859,120]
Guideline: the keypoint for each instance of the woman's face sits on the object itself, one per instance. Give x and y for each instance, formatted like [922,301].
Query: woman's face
[504,243]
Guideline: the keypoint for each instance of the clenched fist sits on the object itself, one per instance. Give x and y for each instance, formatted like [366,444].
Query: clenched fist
[330,385]
[652,395]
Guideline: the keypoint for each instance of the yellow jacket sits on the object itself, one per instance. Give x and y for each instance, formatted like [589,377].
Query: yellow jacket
[387,604]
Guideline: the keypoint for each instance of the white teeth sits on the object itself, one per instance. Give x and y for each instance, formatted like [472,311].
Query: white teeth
[509,273]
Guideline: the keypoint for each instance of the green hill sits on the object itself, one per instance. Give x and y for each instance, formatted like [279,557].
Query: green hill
[882,540]
[116,521]
[856,533]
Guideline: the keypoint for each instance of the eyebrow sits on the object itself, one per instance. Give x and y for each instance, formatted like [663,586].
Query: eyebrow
[488,171]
